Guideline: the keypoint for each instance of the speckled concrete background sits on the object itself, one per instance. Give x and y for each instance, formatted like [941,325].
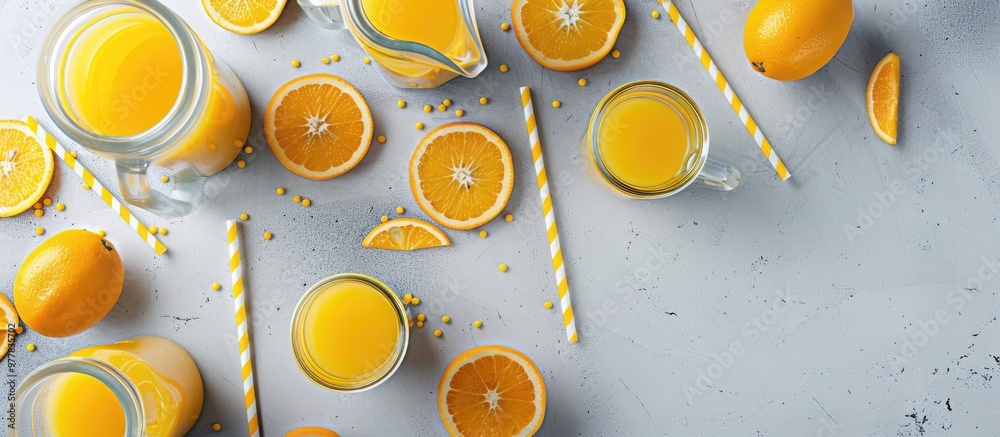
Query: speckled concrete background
[855,299]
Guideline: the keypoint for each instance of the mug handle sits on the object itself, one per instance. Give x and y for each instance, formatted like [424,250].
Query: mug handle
[134,183]
[718,176]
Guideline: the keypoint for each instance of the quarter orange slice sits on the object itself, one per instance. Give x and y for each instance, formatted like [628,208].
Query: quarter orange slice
[11,323]
[567,35]
[26,168]
[491,391]
[318,126]
[244,17]
[405,234]
[461,175]
[311,431]
[883,98]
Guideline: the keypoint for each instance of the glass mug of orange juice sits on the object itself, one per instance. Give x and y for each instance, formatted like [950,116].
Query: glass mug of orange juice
[649,140]
[349,333]
[418,43]
[145,386]
[131,82]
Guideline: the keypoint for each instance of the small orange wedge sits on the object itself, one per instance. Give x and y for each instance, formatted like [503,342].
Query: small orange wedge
[8,316]
[491,391]
[244,17]
[883,98]
[567,35]
[405,234]
[26,167]
[311,431]
[461,175]
[318,126]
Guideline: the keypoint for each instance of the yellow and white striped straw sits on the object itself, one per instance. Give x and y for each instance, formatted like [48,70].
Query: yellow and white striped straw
[242,330]
[713,70]
[88,178]
[550,218]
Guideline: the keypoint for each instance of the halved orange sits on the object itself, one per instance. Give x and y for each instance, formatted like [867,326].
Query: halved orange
[883,98]
[11,323]
[461,175]
[244,17]
[318,126]
[567,35]
[405,234]
[492,391]
[26,167]
[311,431]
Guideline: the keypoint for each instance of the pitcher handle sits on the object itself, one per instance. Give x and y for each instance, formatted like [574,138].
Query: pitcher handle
[325,13]
[134,183]
[718,176]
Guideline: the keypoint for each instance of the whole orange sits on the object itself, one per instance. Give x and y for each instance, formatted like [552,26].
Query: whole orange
[792,39]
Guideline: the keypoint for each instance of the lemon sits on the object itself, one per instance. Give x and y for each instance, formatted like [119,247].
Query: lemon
[792,39]
[68,283]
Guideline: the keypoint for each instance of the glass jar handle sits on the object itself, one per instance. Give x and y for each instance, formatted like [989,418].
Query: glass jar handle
[134,183]
[325,13]
[718,176]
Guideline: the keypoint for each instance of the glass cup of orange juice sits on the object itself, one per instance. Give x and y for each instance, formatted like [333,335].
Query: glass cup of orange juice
[418,43]
[349,332]
[145,386]
[648,140]
[131,82]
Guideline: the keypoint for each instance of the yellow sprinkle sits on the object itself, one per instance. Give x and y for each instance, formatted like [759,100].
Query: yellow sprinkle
[508,218]
[281,191]
[39,230]
[384,219]
[616,53]
[268,235]
[153,229]
[483,234]
[401,103]
[582,82]
[296,63]
[335,57]
[297,199]
[407,296]
[368,60]
[241,163]
[19,330]
[306,202]
[438,333]
[548,305]
[442,107]
[459,113]
[504,26]
[502,267]
[39,213]
[248,150]
[381,139]
[420,125]
[421,317]
[216,426]
[656,15]
[86,187]
[47,201]
[483,100]
[60,207]
[237,143]
[31,347]
[428,108]
[325,60]
[446,319]
[411,323]
[244,216]
[504,68]
[447,102]
[415,301]
[556,104]
[163,231]
[420,324]
[102,233]
[400,210]
[73,154]
[216,286]
[477,324]
[37,205]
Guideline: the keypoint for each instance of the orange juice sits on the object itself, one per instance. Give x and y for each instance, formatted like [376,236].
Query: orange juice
[437,24]
[349,332]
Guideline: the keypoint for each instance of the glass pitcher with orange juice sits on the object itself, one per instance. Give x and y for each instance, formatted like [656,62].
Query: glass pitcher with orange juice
[418,43]
[131,82]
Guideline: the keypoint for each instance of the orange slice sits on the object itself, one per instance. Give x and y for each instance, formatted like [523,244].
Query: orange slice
[318,126]
[567,35]
[883,98]
[26,167]
[491,391]
[405,234]
[311,431]
[244,17]
[461,175]
[8,316]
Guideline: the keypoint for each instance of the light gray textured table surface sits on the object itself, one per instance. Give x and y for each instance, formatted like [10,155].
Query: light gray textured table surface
[827,286]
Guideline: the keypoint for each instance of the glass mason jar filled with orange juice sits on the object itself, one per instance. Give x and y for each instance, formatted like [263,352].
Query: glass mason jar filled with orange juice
[648,140]
[349,332]
[131,82]
[143,387]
